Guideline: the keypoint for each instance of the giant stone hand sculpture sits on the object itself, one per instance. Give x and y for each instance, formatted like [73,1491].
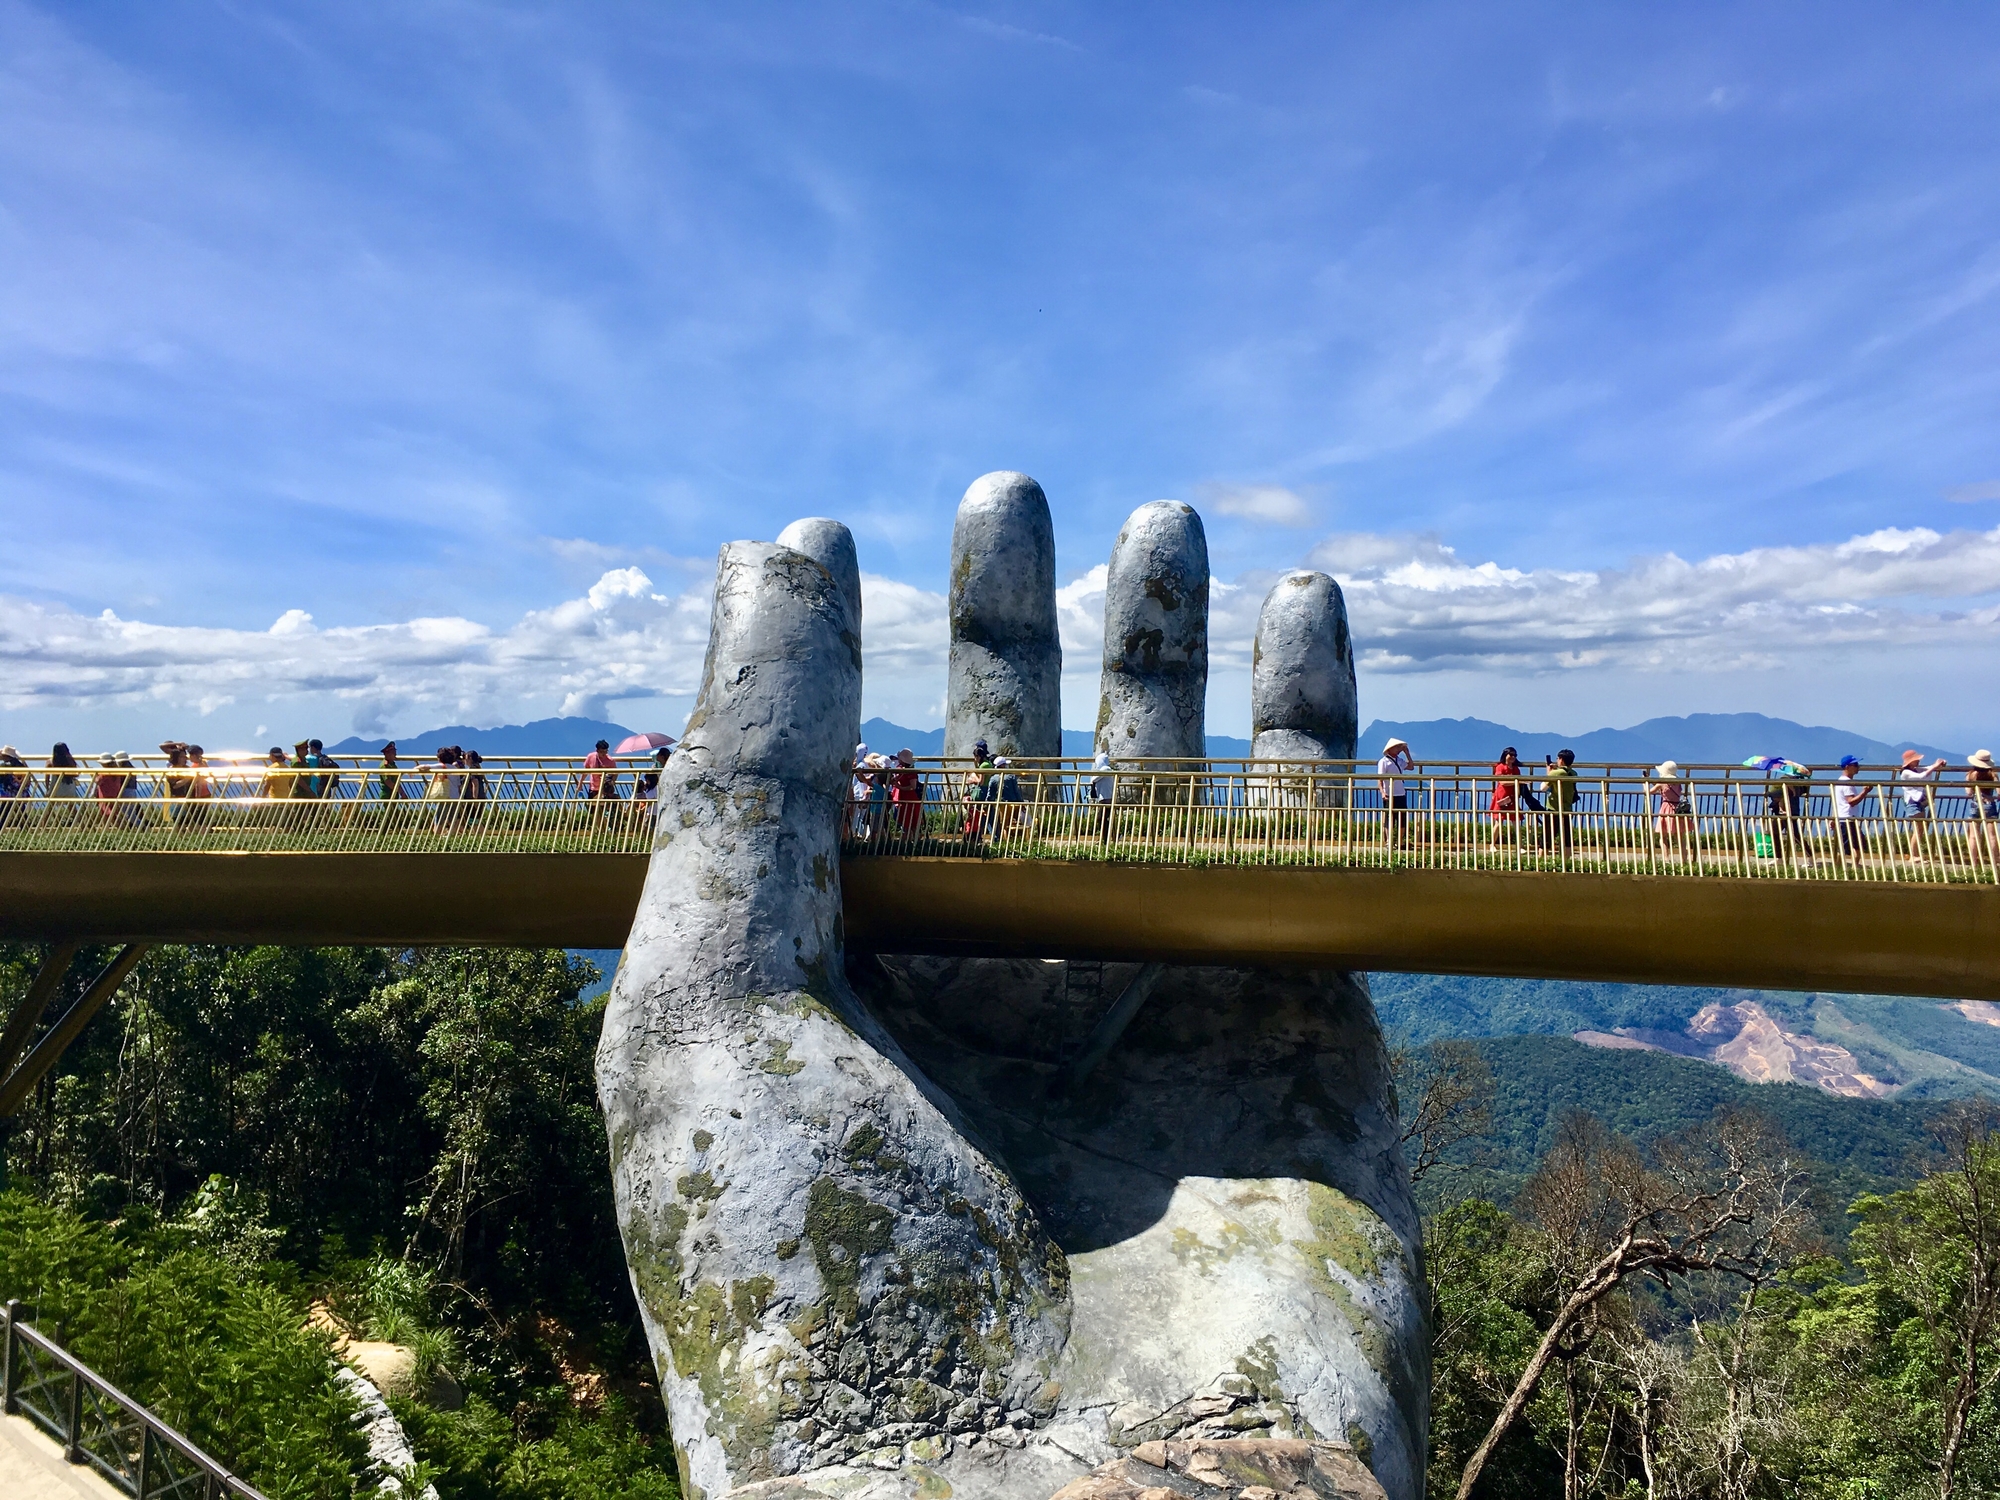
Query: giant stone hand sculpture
[824,1262]
[890,1237]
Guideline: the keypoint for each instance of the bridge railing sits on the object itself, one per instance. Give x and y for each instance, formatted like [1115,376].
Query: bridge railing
[497,808]
[100,1426]
[1710,820]
[1707,821]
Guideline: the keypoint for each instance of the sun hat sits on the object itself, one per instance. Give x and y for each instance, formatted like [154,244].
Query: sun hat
[1395,744]
[1911,757]
[10,750]
[1980,758]
[1668,770]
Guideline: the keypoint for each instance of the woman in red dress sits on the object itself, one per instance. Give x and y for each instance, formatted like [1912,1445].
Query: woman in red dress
[906,792]
[1506,787]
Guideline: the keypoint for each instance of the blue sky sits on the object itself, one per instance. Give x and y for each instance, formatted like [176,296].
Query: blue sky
[384,365]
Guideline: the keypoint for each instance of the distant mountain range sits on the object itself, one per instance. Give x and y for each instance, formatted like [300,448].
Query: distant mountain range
[542,737]
[1694,740]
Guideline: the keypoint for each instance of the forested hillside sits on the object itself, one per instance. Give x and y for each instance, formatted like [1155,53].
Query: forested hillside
[405,1147]
[1856,1145]
[1918,1049]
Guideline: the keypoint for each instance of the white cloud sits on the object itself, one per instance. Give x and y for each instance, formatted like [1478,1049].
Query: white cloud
[1416,607]
[620,640]
[1266,504]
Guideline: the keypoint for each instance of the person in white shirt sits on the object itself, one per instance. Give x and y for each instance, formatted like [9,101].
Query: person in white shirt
[1849,794]
[1101,787]
[1396,758]
[1917,798]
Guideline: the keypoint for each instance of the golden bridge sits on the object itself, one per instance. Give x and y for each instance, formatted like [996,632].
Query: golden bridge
[1721,878]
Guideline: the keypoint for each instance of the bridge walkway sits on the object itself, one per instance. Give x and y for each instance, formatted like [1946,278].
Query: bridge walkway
[1735,880]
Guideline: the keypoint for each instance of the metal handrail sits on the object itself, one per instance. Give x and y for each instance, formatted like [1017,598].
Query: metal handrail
[1710,821]
[99,1425]
[1332,814]
[495,809]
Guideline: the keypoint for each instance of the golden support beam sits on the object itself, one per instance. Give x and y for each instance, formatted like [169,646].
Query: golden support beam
[1644,929]
[55,1041]
[390,900]
[1776,934]
[28,1014]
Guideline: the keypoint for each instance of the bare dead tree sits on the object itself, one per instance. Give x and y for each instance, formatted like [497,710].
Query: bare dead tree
[1448,1092]
[1723,1198]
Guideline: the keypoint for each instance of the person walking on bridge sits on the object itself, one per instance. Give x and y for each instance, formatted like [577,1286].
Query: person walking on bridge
[13,784]
[201,786]
[1983,790]
[473,791]
[1102,787]
[1917,779]
[598,787]
[1396,759]
[975,791]
[1560,781]
[906,792]
[62,773]
[1850,798]
[1003,788]
[276,785]
[1505,807]
[1670,822]
[1785,799]
[390,782]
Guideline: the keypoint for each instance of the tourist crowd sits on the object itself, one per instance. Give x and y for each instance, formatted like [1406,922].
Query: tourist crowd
[452,776]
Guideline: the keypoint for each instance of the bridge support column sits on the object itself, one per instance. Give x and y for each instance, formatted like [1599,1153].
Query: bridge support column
[55,1041]
[28,1014]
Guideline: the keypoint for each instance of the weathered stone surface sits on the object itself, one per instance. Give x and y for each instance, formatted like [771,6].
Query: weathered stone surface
[877,1256]
[817,1246]
[1228,1189]
[1248,1468]
[1302,700]
[831,545]
[1155,682]
[1005,685]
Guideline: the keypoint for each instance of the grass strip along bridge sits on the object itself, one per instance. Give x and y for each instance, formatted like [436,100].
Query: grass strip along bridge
[1753,883]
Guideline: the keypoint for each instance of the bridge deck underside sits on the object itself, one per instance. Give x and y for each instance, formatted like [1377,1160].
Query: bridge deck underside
[1892,939]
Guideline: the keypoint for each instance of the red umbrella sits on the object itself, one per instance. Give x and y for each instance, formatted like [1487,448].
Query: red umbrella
[639,744]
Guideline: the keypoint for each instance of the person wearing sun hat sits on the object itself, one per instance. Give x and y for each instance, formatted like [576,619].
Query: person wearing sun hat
[1665,781]
[1917,777]
[1983,783]
[1396,758]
